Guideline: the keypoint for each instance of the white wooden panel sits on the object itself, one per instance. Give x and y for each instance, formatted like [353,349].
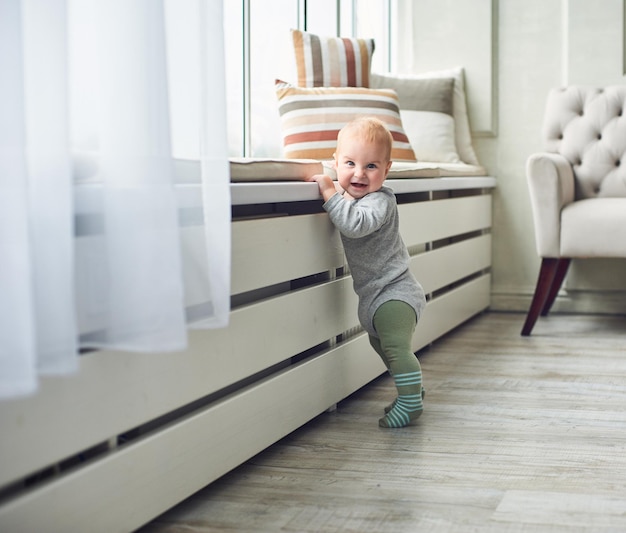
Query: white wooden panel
[120,390]
[460,183]
[429,221]
[130,480]
[292,191]
[451,309]
[443,266]
[272,250]
[136,483]
[114,391]
[264,252]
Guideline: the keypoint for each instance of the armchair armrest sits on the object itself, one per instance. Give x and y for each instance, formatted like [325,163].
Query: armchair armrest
[551,185]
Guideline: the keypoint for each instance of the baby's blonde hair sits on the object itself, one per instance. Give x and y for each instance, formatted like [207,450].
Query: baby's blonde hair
[369,129]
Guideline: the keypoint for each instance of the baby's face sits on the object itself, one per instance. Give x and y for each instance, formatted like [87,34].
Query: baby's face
[361,166]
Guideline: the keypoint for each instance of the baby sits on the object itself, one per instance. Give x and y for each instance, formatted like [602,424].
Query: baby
[391,300]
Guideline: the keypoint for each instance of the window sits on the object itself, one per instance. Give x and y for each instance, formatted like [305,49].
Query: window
[259,51]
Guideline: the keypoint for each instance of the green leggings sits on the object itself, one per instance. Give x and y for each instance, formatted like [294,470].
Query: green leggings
[395,323]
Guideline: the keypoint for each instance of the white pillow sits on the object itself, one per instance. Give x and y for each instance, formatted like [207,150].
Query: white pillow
[463,135]
[431,135]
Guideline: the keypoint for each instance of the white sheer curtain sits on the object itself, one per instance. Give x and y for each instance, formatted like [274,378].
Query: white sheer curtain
[38,331]
[83,92]
[215,168]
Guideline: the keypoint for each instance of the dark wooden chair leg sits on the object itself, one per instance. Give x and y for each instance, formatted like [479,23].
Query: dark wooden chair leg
[559,276]
[544,284]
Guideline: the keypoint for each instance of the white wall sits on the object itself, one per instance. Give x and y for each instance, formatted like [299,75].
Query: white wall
[535,45]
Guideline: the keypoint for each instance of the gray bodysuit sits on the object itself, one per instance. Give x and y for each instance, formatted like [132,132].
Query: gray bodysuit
[376,254]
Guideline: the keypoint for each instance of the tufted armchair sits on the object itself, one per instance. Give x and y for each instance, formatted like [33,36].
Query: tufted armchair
[577,186]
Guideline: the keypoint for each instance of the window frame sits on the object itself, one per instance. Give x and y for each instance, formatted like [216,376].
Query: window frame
[348,18]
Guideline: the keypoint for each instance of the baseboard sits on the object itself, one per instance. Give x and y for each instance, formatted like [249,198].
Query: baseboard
[577,302]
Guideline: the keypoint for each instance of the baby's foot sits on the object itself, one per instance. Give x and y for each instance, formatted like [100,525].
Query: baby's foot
[407,409]
[400,416]
[392,404]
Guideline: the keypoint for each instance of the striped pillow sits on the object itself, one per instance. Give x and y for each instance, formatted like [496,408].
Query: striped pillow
[312,117]
[332,61]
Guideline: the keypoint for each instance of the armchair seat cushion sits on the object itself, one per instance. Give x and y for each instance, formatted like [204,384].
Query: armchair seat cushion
[594,228]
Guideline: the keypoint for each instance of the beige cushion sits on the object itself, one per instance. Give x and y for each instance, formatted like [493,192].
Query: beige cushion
[312,117]
[420,169]
[426,107]
[265,169]
[332,61]
[419,94]
[410,88]
[270,169]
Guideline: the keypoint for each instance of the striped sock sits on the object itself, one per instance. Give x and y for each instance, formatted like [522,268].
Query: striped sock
[408,405]
[390,406]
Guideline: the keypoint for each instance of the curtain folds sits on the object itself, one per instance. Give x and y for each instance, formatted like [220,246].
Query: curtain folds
[215,168]
[89,222]
[139,306]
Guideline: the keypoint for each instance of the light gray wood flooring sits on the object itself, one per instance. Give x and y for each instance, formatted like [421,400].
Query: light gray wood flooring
[518,434]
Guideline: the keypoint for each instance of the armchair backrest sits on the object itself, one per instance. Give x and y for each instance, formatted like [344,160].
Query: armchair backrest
[587,126]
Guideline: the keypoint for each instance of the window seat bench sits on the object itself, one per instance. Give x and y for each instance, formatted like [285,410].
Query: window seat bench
[131,435]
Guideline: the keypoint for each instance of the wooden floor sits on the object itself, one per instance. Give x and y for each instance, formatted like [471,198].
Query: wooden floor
[518,434]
